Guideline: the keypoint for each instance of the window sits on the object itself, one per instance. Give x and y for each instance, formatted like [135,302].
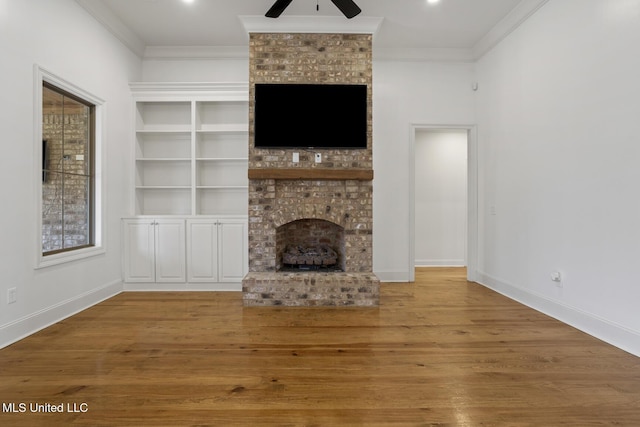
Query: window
[69,195]
[67,171]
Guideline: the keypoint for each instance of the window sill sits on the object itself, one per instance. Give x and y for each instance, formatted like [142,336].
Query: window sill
[64,257]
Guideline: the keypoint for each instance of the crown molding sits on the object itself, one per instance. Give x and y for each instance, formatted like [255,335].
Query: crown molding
[114,25]
[311,24]
[169,53]
[523,11]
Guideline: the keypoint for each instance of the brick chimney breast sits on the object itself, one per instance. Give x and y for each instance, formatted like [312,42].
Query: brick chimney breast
[339,190]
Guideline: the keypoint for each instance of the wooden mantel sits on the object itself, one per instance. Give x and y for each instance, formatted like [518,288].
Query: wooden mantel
[311,174]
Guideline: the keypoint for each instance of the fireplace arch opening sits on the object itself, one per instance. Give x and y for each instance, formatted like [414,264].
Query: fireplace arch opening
[310,244]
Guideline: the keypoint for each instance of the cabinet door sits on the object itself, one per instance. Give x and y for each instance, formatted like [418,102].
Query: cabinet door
[170,250]
[139,259]
[233,258]
[202,250]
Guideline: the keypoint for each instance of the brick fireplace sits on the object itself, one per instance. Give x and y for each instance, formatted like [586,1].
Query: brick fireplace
[307,204]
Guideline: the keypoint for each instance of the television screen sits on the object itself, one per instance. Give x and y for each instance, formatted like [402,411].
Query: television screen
[45,160]
[310,116]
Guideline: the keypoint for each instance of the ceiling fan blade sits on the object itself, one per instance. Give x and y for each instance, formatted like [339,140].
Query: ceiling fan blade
[278,7]
[347,7]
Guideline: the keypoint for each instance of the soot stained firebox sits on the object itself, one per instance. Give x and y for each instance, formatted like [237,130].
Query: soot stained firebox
[310,244]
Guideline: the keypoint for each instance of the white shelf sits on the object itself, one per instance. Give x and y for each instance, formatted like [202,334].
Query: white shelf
[155,116]
[222,145]
[163,187]
[163,159]
[222,187]
[175,145]
[165,129]
[223,159]
[222,201]
[228,128]
[222,115]
[176,173]
[222,174]
[163,201]
[191,150]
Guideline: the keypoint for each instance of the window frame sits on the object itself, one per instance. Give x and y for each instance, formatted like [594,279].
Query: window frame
[98,207]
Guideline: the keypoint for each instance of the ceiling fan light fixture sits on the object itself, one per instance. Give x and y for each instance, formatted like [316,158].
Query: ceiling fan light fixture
[347,7]
[278,7]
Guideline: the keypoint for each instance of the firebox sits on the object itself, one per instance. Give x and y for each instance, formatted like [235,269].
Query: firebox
[310,245]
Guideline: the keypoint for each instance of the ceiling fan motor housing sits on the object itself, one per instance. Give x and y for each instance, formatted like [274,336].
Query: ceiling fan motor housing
[347,7]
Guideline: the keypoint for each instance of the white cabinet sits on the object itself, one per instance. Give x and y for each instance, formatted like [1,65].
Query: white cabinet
[154,250]
[234,254]
[216,250]
[191,149]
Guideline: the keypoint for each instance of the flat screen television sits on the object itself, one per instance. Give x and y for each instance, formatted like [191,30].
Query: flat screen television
[310,116]
[45,160]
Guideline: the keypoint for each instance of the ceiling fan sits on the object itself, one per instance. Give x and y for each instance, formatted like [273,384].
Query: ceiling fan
[347,7]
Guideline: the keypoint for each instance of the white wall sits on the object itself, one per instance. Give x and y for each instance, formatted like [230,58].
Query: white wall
[440,197]
[62,38]
[196,70]
[407,93]
[558,119]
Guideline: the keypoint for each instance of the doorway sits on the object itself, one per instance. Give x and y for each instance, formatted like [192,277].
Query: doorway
[443,194]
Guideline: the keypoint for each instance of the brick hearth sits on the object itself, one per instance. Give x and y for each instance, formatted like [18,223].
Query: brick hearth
[311,289]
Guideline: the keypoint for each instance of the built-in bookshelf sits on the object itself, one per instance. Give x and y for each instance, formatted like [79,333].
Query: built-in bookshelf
[191,148]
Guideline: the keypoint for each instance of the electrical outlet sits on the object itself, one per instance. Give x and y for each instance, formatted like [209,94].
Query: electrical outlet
[557,278]
[12,295]
[296,157]
[318,157]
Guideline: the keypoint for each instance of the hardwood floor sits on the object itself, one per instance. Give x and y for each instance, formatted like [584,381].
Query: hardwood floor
[441,351]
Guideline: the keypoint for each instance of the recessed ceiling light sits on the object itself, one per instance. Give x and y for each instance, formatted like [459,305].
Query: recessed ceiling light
[188,1]
[433,1]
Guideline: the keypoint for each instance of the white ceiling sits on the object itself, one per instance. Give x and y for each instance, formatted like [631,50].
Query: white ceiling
[407,25]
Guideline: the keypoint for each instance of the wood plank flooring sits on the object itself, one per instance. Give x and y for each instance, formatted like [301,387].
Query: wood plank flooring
[438,352]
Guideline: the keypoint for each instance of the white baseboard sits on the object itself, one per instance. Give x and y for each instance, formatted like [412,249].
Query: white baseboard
[392,276]
[182,287]
[609,332]
[32,323]
[440,263]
